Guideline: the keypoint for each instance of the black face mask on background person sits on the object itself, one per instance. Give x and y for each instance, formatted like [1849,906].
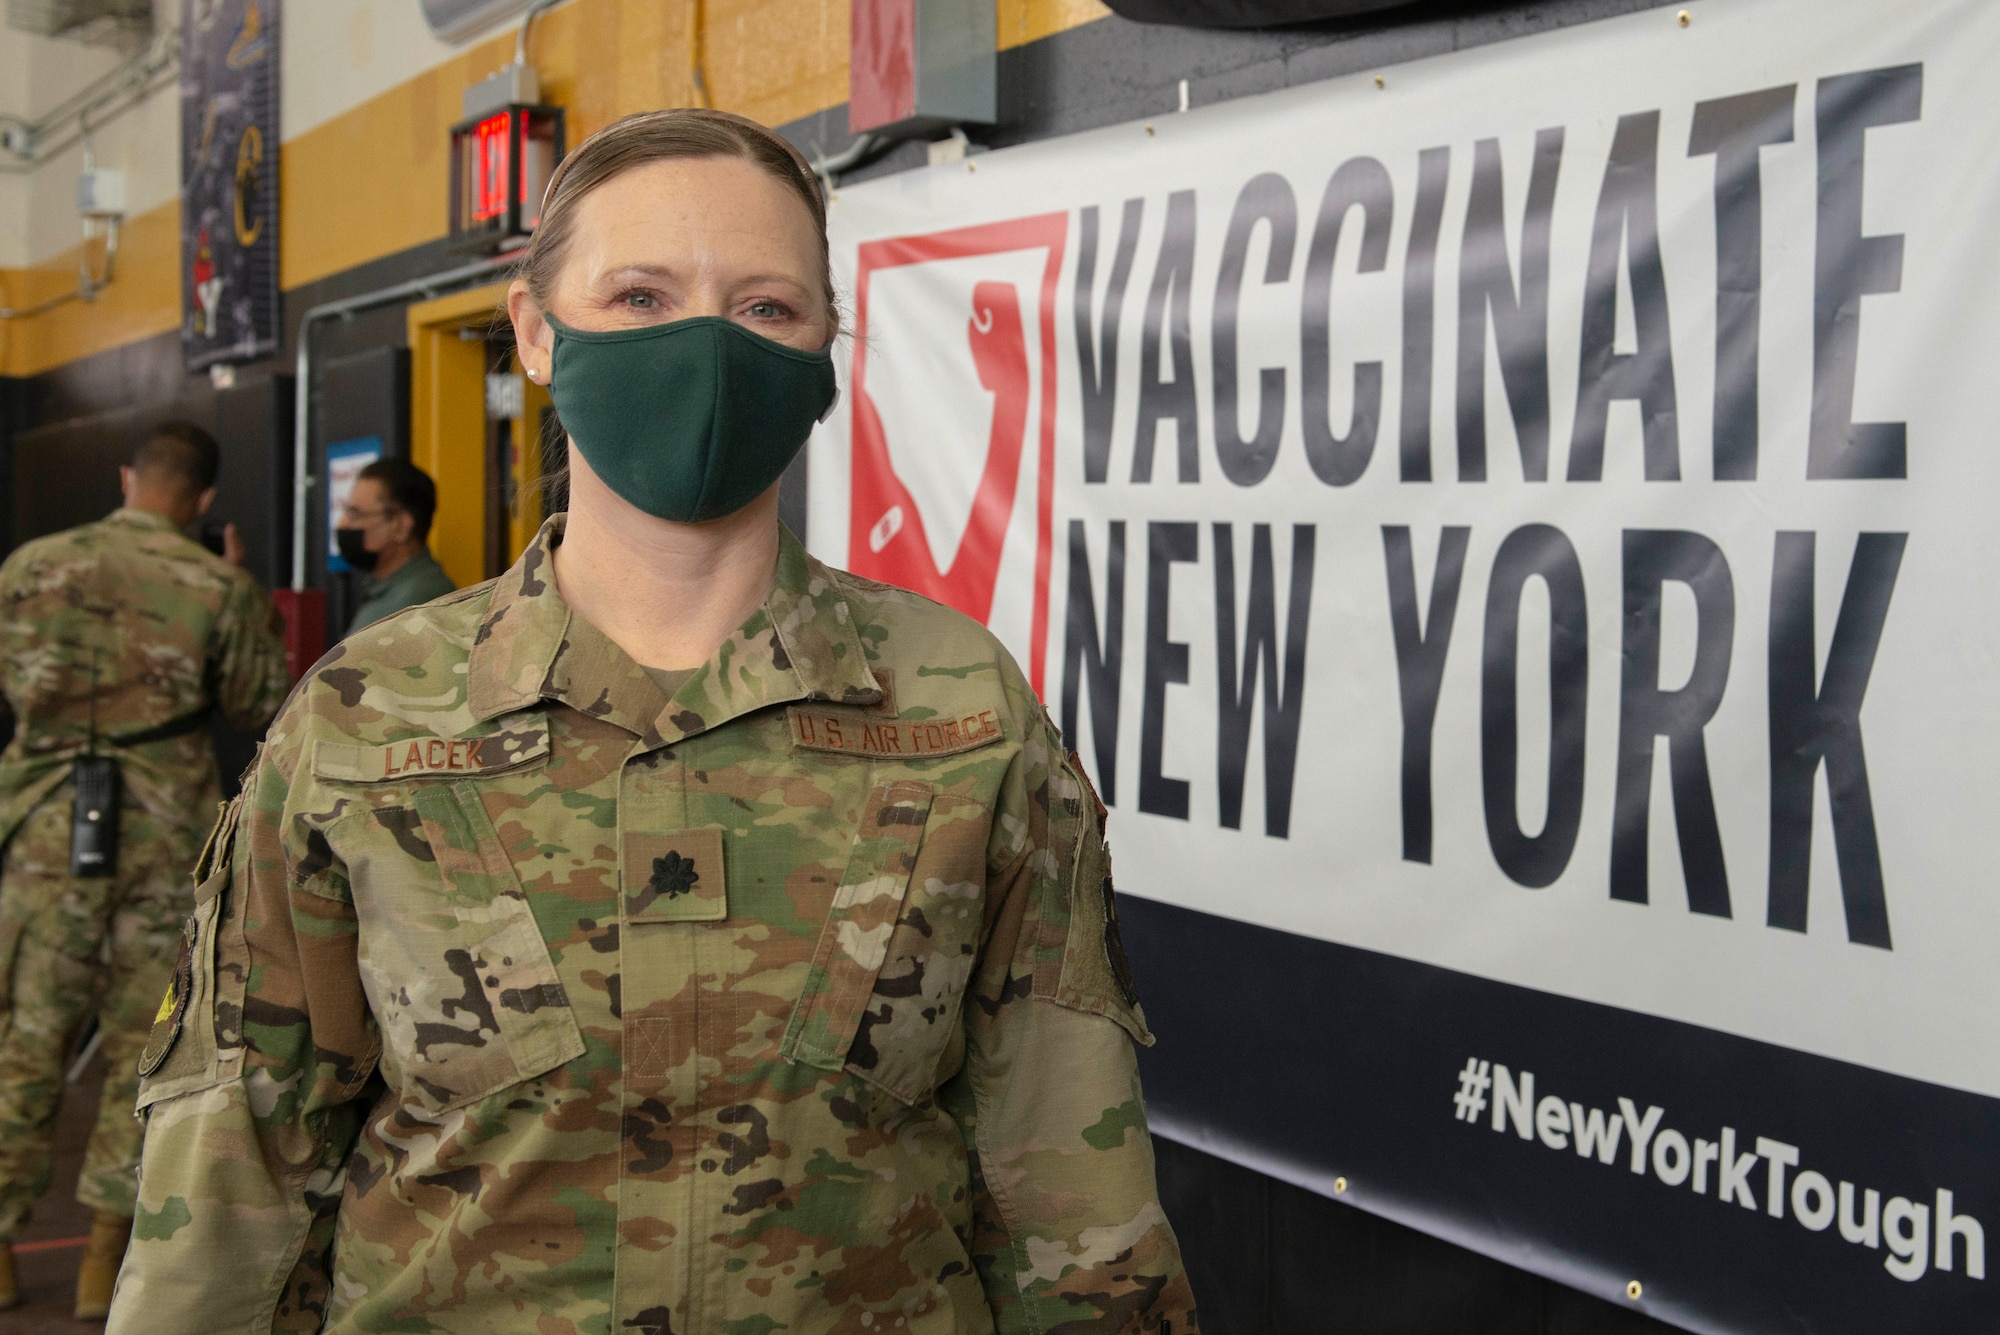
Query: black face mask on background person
[353,548]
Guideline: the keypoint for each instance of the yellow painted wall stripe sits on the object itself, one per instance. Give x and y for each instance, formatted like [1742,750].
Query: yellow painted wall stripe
[142,300]
[372,181]
[1024,21]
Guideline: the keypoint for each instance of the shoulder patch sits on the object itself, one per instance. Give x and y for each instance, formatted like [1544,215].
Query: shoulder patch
[173,1006]
[1114,945]
[854,733]
[1114,942]
[427,757]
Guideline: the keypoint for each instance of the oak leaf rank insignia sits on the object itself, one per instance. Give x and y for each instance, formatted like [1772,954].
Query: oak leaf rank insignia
[673,875]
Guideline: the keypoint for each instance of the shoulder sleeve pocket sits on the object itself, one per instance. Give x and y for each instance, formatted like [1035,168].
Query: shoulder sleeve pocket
[1081,959]
[195,1040]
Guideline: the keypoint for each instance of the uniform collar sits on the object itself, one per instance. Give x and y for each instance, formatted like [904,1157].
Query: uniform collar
[801,645]
[126,514]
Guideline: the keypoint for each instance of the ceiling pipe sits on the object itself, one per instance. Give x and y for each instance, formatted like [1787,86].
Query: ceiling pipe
[151,70]
[829,169]
[88,284]
[527,20]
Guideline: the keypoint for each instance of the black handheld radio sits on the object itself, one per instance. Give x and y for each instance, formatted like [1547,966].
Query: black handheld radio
[93,824]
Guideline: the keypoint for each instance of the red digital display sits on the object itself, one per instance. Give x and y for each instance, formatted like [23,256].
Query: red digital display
[501,164]
[491,139]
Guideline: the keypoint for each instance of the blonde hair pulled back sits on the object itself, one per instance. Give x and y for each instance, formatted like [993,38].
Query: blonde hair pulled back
[654,136]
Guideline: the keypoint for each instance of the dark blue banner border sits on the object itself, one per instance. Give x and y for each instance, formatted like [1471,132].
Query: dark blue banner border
[1339,1070]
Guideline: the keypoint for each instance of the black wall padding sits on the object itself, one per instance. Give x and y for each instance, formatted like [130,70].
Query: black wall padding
[366,393]
[1253,13]
[66,474]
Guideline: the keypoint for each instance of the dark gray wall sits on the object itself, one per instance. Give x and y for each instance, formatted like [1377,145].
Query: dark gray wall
[65,472]
[1268,1258]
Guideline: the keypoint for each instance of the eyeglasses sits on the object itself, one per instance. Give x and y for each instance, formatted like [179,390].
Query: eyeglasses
[358,516]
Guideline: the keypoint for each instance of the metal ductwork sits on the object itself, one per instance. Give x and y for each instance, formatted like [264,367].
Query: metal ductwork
[98,22]
[456,20]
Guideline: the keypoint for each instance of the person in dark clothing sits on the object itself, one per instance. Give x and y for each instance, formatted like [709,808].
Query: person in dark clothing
[383,532]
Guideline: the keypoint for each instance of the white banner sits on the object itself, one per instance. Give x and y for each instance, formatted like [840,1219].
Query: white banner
[1529,511]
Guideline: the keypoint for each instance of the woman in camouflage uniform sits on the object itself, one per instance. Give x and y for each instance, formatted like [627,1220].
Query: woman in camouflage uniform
[674,935]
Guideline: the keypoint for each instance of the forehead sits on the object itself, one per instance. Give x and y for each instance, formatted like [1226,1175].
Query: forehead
[367,491]
[716,205]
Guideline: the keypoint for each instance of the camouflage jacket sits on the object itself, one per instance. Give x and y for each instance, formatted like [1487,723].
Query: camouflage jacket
[155,627]
[521,997]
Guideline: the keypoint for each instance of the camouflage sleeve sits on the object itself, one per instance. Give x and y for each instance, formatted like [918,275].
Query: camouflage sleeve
[1069,1235]
[16,633]
[252,1084]
[249,663]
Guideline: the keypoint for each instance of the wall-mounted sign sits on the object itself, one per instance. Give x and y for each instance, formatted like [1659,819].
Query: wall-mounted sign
[501,163]
[229,181]
[1514,544]
[344,461]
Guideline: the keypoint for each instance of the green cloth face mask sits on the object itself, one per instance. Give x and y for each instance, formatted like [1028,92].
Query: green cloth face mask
[690,420]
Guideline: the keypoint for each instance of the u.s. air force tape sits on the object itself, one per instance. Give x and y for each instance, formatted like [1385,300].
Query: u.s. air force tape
[847,732]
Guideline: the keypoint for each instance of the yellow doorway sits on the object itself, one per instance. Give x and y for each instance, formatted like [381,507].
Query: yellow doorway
[477,426]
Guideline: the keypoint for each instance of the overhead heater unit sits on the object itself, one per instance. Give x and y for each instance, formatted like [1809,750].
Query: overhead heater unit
[100,22]
[456,20]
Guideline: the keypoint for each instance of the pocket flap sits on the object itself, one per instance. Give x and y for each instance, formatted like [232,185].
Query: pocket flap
[488,1011]
[211,868]
[855,939]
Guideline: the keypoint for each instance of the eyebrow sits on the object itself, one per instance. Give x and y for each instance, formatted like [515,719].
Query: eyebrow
[772,278]
[661,271]
[636,271]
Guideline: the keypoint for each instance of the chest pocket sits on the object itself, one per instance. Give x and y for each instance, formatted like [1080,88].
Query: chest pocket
[893,959]
[462,983]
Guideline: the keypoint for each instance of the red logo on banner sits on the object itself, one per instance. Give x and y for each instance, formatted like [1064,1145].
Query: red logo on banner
[887,539]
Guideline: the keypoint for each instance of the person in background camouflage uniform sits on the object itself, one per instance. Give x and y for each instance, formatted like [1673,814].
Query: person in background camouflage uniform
[534,987]
[127,630]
